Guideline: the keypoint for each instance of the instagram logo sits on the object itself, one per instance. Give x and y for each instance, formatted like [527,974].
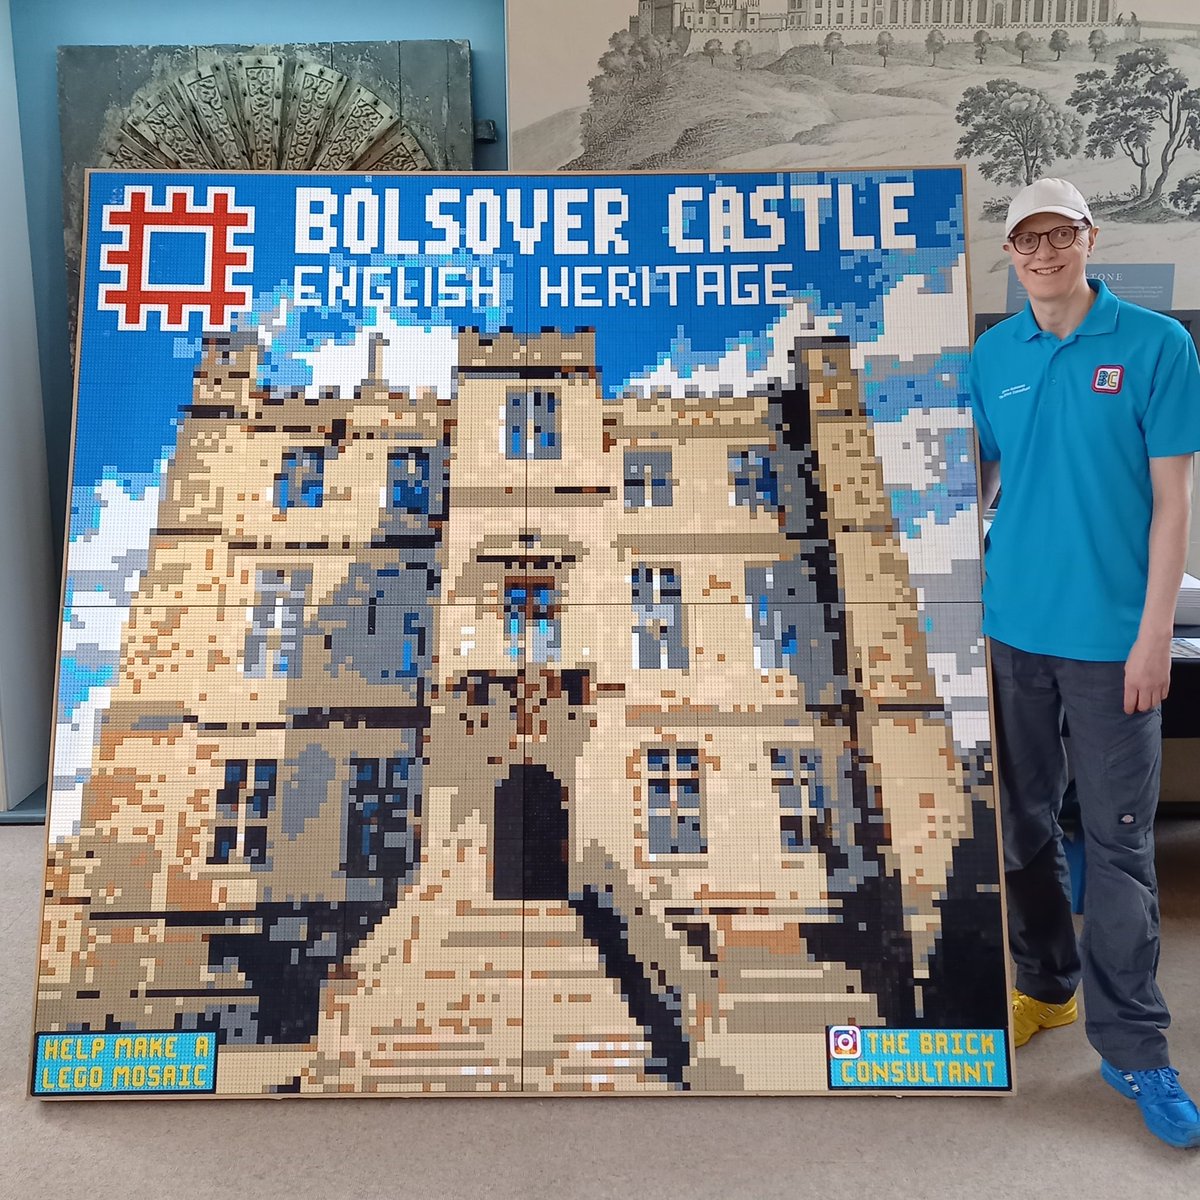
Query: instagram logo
[845,1041]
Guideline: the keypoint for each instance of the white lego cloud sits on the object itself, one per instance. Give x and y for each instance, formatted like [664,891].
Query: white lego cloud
[907,447]
[917,322]
[964,694]
[416,358]
[74,743]
[936,548]
[104,567]
[732,370]
[953,683]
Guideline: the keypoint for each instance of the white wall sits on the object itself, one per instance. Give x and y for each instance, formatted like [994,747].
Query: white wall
[28,587]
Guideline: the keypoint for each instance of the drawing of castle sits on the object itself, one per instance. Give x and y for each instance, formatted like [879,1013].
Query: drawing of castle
[665,17]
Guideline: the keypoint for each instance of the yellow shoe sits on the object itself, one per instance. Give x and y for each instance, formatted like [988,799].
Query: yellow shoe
[1030,1015]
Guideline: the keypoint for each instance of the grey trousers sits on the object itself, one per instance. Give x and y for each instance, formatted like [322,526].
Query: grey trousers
[1116,759]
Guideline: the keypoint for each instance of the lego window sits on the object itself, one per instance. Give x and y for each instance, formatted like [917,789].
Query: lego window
[648,482]
[531,429]
[658,622]
[301,479]
[796,780]
[673,800]
[276,632]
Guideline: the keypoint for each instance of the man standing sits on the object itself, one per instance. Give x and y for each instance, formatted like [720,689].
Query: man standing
[1090,409]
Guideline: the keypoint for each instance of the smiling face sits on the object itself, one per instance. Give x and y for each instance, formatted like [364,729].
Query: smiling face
[1048,274]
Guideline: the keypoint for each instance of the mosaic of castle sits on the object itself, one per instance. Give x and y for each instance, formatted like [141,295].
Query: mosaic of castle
[665,17]
[516,739]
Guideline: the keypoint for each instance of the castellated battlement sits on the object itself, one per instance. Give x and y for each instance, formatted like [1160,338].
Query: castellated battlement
[237,349]
[505,351]
[225,383]
[803,22]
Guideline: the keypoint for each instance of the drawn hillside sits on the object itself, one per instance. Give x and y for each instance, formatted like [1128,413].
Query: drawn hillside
[1115,108]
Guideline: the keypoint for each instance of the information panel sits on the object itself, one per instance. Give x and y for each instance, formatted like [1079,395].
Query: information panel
[521,634]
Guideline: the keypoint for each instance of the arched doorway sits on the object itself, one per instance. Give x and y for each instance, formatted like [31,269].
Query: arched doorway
[530,836]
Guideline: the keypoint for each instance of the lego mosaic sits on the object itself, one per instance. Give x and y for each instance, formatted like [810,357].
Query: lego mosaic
[521,635]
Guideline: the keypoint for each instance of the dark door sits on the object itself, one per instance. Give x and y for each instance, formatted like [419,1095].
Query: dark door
[531,831]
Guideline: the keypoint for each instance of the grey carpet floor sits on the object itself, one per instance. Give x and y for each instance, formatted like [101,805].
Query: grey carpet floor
[1065,1134]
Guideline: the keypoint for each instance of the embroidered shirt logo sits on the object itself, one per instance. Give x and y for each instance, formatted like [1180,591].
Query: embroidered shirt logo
[1016,390]
[1108,379]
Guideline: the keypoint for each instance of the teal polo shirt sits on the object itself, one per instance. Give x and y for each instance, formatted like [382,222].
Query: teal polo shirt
[1074,424]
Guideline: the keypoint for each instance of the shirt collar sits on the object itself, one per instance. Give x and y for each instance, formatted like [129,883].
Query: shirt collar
[1101,317]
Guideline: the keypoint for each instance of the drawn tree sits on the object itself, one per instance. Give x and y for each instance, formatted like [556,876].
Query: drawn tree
[617,59]
[935,43]
[712,48]
[653,53]
[833,43]
[1187,195]
[605,88]
[616,62]
[1015,132]
[1123,121]
[1165,94]
[1060,39]
[1097,40]
[884,45]
[741,53]
[622,40]
[982,40]
[1024,43]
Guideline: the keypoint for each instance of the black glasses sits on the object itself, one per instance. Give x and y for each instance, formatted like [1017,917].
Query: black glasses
[1060,237]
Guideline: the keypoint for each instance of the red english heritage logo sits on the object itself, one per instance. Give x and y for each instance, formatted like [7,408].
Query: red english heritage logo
[176,258]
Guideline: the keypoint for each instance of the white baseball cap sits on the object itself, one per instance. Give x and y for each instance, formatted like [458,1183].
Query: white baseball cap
[1047,195]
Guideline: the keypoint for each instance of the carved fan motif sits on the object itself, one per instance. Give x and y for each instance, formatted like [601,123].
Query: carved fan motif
[263,112]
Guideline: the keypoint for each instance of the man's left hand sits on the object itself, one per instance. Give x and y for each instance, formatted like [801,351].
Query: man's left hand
[1147,674]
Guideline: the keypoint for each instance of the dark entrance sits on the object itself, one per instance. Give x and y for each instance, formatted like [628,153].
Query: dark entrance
[531,832]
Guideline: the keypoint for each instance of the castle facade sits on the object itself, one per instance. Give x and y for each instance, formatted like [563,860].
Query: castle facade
[514,739]
[665,17]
